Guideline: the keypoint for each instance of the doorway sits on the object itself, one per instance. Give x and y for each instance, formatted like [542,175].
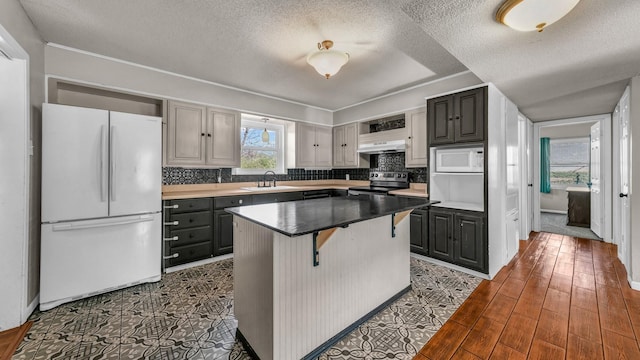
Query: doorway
[574,131]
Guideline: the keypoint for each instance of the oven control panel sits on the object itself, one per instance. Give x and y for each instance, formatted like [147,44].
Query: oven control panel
[389,176]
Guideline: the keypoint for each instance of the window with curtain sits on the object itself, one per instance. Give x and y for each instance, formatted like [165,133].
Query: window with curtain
[569,162]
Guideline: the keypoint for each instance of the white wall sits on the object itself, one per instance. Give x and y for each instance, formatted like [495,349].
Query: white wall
[23,246]
[556,200]
[84,67]
[404,100]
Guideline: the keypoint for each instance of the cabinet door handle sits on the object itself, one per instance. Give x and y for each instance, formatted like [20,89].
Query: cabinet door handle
[202,134]
[174,206]
[409,137]
[171,256]
[209,135]
[172,223]
[175,238]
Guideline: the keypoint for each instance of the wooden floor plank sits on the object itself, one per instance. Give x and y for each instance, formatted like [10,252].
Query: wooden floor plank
[483,337]
[619,347]
[501,352]
[518,333]
[553,328]
[579,348]
[542,350]
[585,324]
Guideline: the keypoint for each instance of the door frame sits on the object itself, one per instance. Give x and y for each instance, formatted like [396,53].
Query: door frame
[18,309]
[605,166]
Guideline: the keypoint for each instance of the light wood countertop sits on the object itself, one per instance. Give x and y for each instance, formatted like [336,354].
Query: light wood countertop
[415,190]
[577,189]
[172,192]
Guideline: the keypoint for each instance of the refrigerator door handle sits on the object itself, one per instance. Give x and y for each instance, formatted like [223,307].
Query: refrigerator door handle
[112,149]
[103,164]
[71,226]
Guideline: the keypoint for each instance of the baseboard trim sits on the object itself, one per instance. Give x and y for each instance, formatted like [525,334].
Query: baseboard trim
[452,266]
[635,285]
[553,211]
[197,263]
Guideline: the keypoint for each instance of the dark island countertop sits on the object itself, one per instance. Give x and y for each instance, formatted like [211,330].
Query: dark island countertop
[295,218]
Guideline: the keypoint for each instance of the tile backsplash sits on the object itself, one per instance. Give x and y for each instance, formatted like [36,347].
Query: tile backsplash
[379,162]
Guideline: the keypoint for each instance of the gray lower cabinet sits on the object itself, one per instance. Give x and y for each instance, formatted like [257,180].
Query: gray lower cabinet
[188,231]
[419,235]
[458,237]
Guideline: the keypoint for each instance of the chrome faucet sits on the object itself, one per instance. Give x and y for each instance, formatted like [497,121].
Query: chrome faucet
[264,179]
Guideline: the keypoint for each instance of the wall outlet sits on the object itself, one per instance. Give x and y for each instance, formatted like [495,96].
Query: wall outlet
[347,176]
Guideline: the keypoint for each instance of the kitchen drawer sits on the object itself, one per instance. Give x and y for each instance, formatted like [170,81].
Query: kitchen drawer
[189,253]
[231,201]
[276,197]
[176,238]
[188,205]
[189,220]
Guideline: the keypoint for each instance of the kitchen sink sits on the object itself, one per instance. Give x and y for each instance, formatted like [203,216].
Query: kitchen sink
[255,188]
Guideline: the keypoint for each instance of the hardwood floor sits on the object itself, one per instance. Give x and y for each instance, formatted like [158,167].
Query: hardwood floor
[560,298]
[10,339]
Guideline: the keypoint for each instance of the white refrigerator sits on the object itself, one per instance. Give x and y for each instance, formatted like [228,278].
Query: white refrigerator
[101,202]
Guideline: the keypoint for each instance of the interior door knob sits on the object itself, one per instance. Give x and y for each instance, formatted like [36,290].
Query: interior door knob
[623,195]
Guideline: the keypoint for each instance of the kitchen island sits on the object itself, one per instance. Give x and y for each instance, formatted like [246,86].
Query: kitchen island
[308,272]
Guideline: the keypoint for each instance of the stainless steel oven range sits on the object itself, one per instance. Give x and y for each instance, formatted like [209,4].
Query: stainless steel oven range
[382,183]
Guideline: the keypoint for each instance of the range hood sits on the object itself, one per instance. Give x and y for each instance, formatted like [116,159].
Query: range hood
[382,147]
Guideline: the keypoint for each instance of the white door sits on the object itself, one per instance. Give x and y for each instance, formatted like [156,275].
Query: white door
[135,184]
[624,220]
[74,163]
[596,195]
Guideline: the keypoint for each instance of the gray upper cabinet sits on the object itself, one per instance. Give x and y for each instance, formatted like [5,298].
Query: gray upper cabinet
[223,146]
[457,118]
[313,146]
[186,133]
[416,125]
[197,135]
[345,144]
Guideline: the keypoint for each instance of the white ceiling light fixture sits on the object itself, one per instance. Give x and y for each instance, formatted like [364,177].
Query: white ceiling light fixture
[327,62]
[530,15]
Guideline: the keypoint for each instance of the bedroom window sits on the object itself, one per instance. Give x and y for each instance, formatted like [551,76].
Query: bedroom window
[569,162]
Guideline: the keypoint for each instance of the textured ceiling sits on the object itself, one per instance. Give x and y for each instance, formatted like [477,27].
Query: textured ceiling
[255,45]
[577,66]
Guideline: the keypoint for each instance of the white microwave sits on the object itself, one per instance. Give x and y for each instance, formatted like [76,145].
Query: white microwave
[460,160]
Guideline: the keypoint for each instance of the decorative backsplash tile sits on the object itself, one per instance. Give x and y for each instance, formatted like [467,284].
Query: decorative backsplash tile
[379,162]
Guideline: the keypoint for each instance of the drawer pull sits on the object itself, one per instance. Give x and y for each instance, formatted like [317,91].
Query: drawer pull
[175,238]
[171,256]
[174,206]
[172,223]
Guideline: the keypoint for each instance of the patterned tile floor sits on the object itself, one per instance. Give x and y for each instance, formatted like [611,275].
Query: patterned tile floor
[189,315]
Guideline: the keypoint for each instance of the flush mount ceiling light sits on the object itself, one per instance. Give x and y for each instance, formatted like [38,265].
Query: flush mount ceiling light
[530,15]
[327,62]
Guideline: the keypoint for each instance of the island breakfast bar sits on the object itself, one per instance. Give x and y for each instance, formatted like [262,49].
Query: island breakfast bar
[307,272]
